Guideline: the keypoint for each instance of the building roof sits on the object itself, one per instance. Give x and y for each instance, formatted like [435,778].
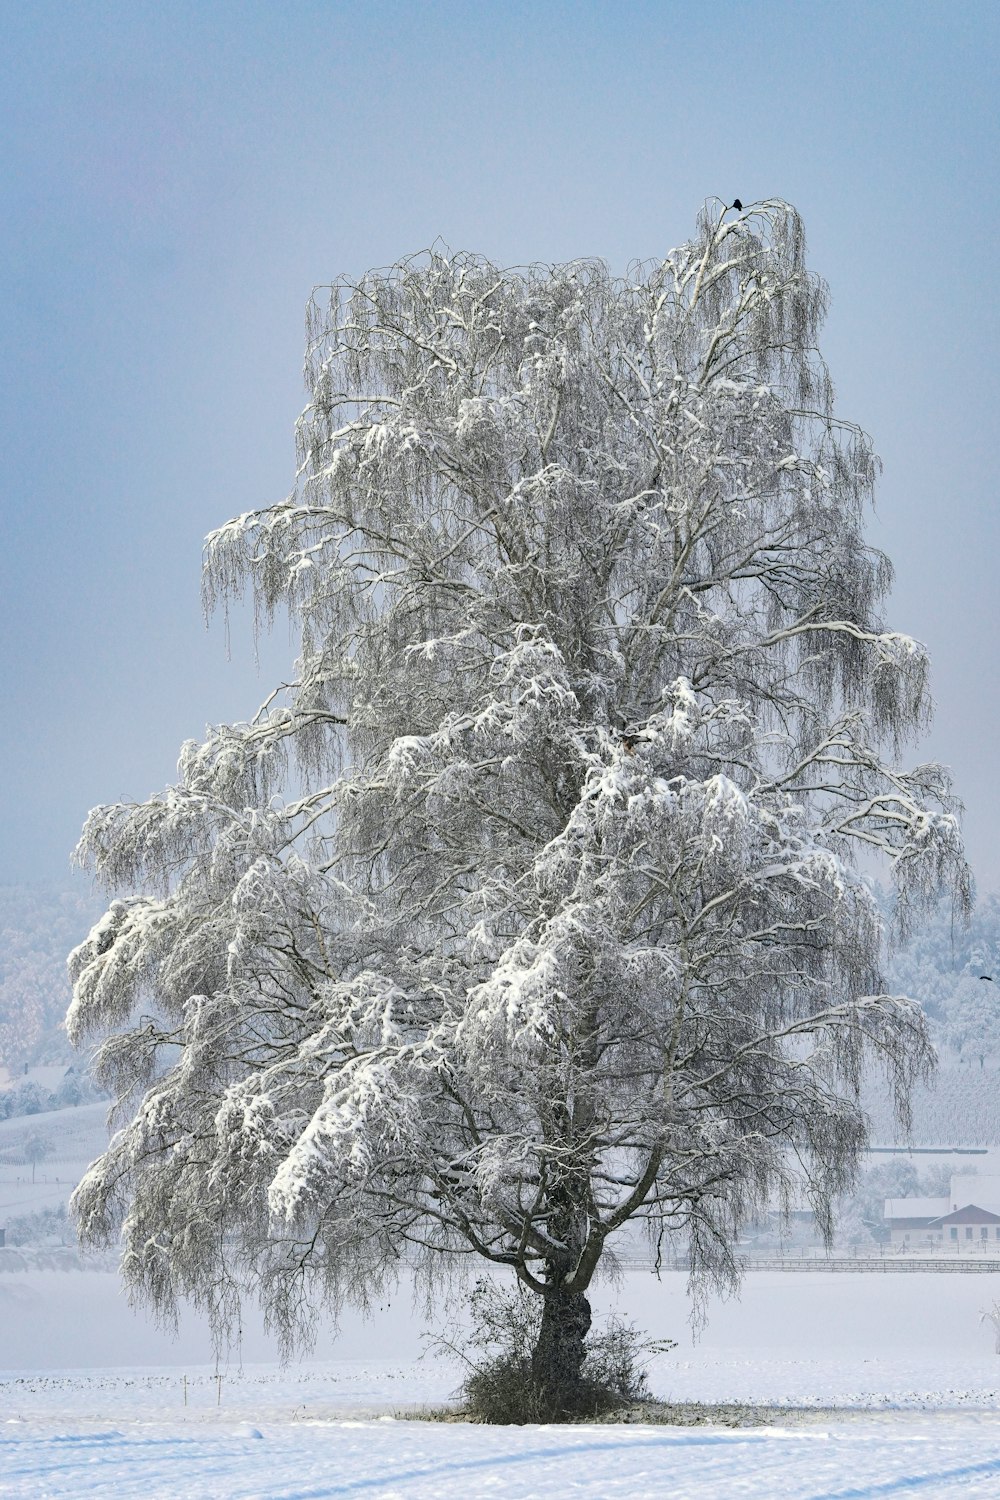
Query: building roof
[916,1208]
[970,1214]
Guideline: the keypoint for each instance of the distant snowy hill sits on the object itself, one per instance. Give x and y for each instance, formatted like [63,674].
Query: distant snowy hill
[73,1138]
[960,1108]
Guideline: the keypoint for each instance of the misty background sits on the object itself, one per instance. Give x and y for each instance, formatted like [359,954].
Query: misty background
[178,177]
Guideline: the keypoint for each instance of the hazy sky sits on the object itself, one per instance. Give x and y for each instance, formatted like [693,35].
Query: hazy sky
[177,177]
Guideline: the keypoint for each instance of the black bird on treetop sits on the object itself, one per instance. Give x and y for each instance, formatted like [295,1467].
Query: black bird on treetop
[737,205]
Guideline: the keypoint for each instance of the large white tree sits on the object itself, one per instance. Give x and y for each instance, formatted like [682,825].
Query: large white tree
[531,906]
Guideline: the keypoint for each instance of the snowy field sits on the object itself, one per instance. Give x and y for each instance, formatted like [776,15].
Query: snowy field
[308,1460]
[890,1381]
[74,1138]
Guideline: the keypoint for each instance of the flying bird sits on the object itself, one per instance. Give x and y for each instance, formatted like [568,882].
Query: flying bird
[988,977]
[737,205]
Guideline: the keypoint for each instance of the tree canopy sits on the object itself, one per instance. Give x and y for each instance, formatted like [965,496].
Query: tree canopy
[534,903]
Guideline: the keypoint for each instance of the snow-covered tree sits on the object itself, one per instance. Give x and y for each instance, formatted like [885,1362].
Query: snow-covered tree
[972,1018]
[37,925]
[531,906]
[36,1145]
[942,965]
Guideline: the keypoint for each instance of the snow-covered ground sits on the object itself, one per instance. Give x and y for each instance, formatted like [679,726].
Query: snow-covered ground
[384,1459]
[897,1376]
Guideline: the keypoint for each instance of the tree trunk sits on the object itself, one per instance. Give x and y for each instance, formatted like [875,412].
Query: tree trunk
[557,1361]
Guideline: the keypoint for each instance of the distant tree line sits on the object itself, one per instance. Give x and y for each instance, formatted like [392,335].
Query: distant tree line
[30,1098]
[38,927]
[942,966]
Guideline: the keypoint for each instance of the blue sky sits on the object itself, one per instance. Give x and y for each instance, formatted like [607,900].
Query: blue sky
[177,178]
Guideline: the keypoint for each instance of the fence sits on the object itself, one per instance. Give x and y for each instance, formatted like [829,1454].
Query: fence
[968,1264]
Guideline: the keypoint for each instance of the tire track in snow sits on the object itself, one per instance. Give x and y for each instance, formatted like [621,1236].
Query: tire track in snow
[209,1466]
[913,1482]
[509,1460]
[120,1464]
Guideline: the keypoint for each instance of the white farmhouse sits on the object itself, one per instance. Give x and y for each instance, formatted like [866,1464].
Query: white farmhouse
[967,1228]
[968,1219]
[908,1219]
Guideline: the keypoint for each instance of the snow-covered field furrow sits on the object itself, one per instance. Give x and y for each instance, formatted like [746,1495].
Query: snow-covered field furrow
[390,1460]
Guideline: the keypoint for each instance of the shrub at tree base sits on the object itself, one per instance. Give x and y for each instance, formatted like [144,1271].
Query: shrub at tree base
[507,1383]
